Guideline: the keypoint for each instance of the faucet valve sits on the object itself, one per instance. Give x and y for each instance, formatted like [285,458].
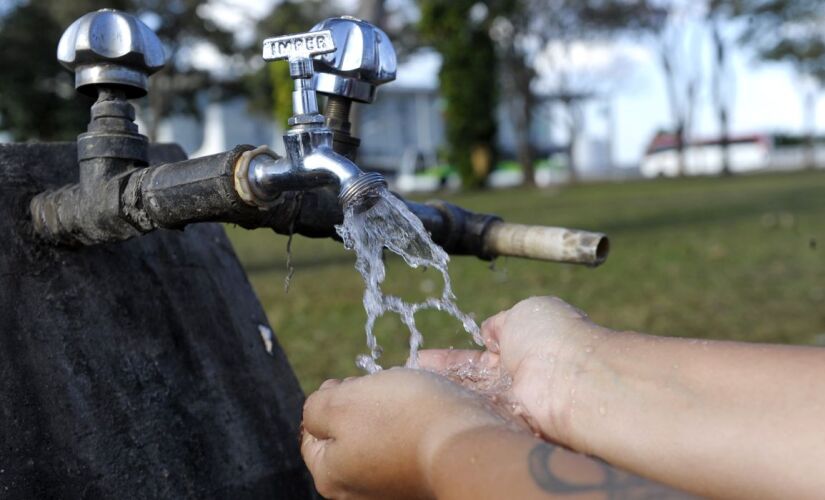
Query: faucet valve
[299,50]
[364,59]
[112,55]
[109,47]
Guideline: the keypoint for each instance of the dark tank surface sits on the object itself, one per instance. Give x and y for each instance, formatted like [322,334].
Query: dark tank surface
[135,369]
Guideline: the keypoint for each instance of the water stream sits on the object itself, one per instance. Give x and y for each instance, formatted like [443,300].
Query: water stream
[389,224]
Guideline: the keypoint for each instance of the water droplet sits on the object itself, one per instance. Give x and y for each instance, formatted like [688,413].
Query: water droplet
[588,349]
[367,364]
[602,411]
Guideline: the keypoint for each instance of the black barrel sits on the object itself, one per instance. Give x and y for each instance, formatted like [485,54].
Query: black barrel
[135,369]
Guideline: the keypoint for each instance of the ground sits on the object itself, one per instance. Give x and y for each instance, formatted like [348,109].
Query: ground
[740,258]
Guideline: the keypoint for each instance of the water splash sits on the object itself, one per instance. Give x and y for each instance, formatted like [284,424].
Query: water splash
[389,224]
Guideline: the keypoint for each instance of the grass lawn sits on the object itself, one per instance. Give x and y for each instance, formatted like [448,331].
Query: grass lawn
[740,258]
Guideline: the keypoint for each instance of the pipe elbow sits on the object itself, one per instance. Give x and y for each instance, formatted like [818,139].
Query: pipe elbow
[269,176]
[331,168]
[354,186]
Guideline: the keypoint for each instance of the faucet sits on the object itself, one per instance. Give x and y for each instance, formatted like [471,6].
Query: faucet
[311,160]
[120,196]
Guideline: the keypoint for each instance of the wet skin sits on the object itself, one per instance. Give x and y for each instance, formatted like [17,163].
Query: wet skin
[717,419]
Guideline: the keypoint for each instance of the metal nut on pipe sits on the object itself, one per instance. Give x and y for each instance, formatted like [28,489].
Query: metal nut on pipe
[555,244]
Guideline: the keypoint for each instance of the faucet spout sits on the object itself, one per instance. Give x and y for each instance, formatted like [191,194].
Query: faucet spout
[311,163]
[355,187]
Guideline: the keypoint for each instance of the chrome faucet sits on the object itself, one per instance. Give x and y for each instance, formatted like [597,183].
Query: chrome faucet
[310,160]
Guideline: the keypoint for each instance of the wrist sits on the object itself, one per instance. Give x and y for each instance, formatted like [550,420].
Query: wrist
[572,372]
[595,388]
[438,441]
[463,455]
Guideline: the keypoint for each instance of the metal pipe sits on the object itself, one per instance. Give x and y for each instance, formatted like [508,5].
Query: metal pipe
[206,189]
[197,190]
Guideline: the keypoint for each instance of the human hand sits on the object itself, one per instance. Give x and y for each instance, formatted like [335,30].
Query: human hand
[377,436]
[543,344]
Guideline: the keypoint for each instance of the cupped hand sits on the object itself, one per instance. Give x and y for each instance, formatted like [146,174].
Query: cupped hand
[543,345]
[377,436]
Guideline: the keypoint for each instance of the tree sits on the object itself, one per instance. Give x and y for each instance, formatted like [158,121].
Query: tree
[182,25]
[571,77]
[678,44]
[790,31]
[37,97]
[459,31]
[722,81]
[36,86]
[525,29]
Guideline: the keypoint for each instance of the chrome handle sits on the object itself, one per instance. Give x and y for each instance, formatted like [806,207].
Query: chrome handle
[299,49]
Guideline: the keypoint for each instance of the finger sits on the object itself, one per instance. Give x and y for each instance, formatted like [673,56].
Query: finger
[314,452]
[318,419]
[491,330]
[443,360]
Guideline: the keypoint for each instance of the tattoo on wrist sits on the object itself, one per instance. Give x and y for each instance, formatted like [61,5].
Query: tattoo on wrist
[614,483]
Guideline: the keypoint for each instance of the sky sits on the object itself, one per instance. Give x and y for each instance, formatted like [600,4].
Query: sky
[767,96]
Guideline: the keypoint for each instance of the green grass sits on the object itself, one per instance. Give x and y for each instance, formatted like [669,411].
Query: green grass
[740,258]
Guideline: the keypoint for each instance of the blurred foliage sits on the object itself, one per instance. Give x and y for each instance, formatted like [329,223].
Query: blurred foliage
[786,30]
[37,98]
[523,28]
[467,81]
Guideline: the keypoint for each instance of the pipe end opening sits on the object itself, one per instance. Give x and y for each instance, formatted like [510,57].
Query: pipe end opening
[602,251]
[362,192]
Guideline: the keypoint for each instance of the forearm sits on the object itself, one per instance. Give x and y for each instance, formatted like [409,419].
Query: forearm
[745,419]
[499,463]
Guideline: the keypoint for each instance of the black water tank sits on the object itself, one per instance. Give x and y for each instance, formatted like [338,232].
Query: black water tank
[136,369]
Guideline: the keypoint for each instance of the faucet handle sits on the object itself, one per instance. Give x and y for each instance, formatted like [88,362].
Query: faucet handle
[363,59]
[299,46]
[298,50]
[109,47]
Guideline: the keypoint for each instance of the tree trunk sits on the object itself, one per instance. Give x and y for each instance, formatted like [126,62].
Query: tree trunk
[676,111]
[719,96]
[525,152]
[573,132]
[680,149]
[374,12]
[810,128]
[725,128]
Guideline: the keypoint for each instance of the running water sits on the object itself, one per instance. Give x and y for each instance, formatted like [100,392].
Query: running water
[389,224]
